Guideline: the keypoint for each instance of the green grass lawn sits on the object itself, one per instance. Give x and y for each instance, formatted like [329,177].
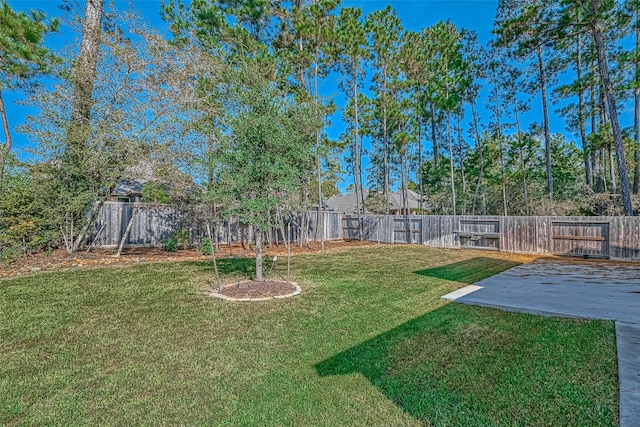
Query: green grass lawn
[369,342]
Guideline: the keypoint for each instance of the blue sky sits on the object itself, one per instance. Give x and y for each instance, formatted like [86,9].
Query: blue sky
[475,15]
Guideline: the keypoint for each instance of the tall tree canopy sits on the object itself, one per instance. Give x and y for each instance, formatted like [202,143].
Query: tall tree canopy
[22,55]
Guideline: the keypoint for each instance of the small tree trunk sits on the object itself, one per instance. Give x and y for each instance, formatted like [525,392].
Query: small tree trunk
[229,237]
[501,148]
[545,117]
[216,236]
[213,257]
[358,172]
[581,116]
[603,171]
[259,256]
[434,139]
[244,232]
[320,221]
[612,168]
[95,238]
[6,147]
[597,170]
[636,111]
[420,180]
[462,169]
[522,161]
[289,254]
[270,234]
[451,168]
[385,139]
[305,228]
[480,158]
[87,61]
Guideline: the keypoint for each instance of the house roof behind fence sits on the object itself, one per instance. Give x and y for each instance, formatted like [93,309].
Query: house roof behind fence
[345,203]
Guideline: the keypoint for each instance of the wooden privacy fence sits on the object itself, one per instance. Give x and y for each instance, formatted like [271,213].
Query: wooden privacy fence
[605,237]
[150,224]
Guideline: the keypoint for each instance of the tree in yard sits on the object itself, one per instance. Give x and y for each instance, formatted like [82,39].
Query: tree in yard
[632,8]
[385,30]
[132,119]
[24,223]
[575,52]
[594,18]
[450,82]
[305,37]
[351,52]
[476,57]
[262,119]
[265,150]
[525,28]
[22,55]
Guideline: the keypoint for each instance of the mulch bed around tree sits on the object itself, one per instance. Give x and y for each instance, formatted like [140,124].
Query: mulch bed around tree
[253,289]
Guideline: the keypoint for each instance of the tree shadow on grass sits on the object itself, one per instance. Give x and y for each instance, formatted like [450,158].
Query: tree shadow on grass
[470,270]
[462,365]
[237,266]
[243,267]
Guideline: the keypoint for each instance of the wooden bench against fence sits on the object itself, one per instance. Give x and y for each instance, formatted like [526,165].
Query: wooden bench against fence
[479,234]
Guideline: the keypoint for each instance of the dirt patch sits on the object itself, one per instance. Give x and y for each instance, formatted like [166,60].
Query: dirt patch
[60,260]
[253,289]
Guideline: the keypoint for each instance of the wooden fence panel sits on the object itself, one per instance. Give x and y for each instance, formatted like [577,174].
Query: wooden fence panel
[615,237]
[575,238]
[150,226]
[624,237]
[333,226]
[431,234]
[439,231]
[386,229]
[519,234]
[154,223]
[543,235]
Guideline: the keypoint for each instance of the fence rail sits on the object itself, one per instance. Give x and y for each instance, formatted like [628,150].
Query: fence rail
[607,237]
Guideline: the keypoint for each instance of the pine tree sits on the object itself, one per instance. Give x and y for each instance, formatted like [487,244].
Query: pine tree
[525,27]
[22,56]
[352,51]
[385,31]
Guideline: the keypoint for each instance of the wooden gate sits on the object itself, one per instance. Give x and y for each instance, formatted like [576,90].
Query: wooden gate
[584,239]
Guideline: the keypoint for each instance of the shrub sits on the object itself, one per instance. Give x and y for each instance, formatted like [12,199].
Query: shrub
[170,245]
[181,238]
[207,246]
